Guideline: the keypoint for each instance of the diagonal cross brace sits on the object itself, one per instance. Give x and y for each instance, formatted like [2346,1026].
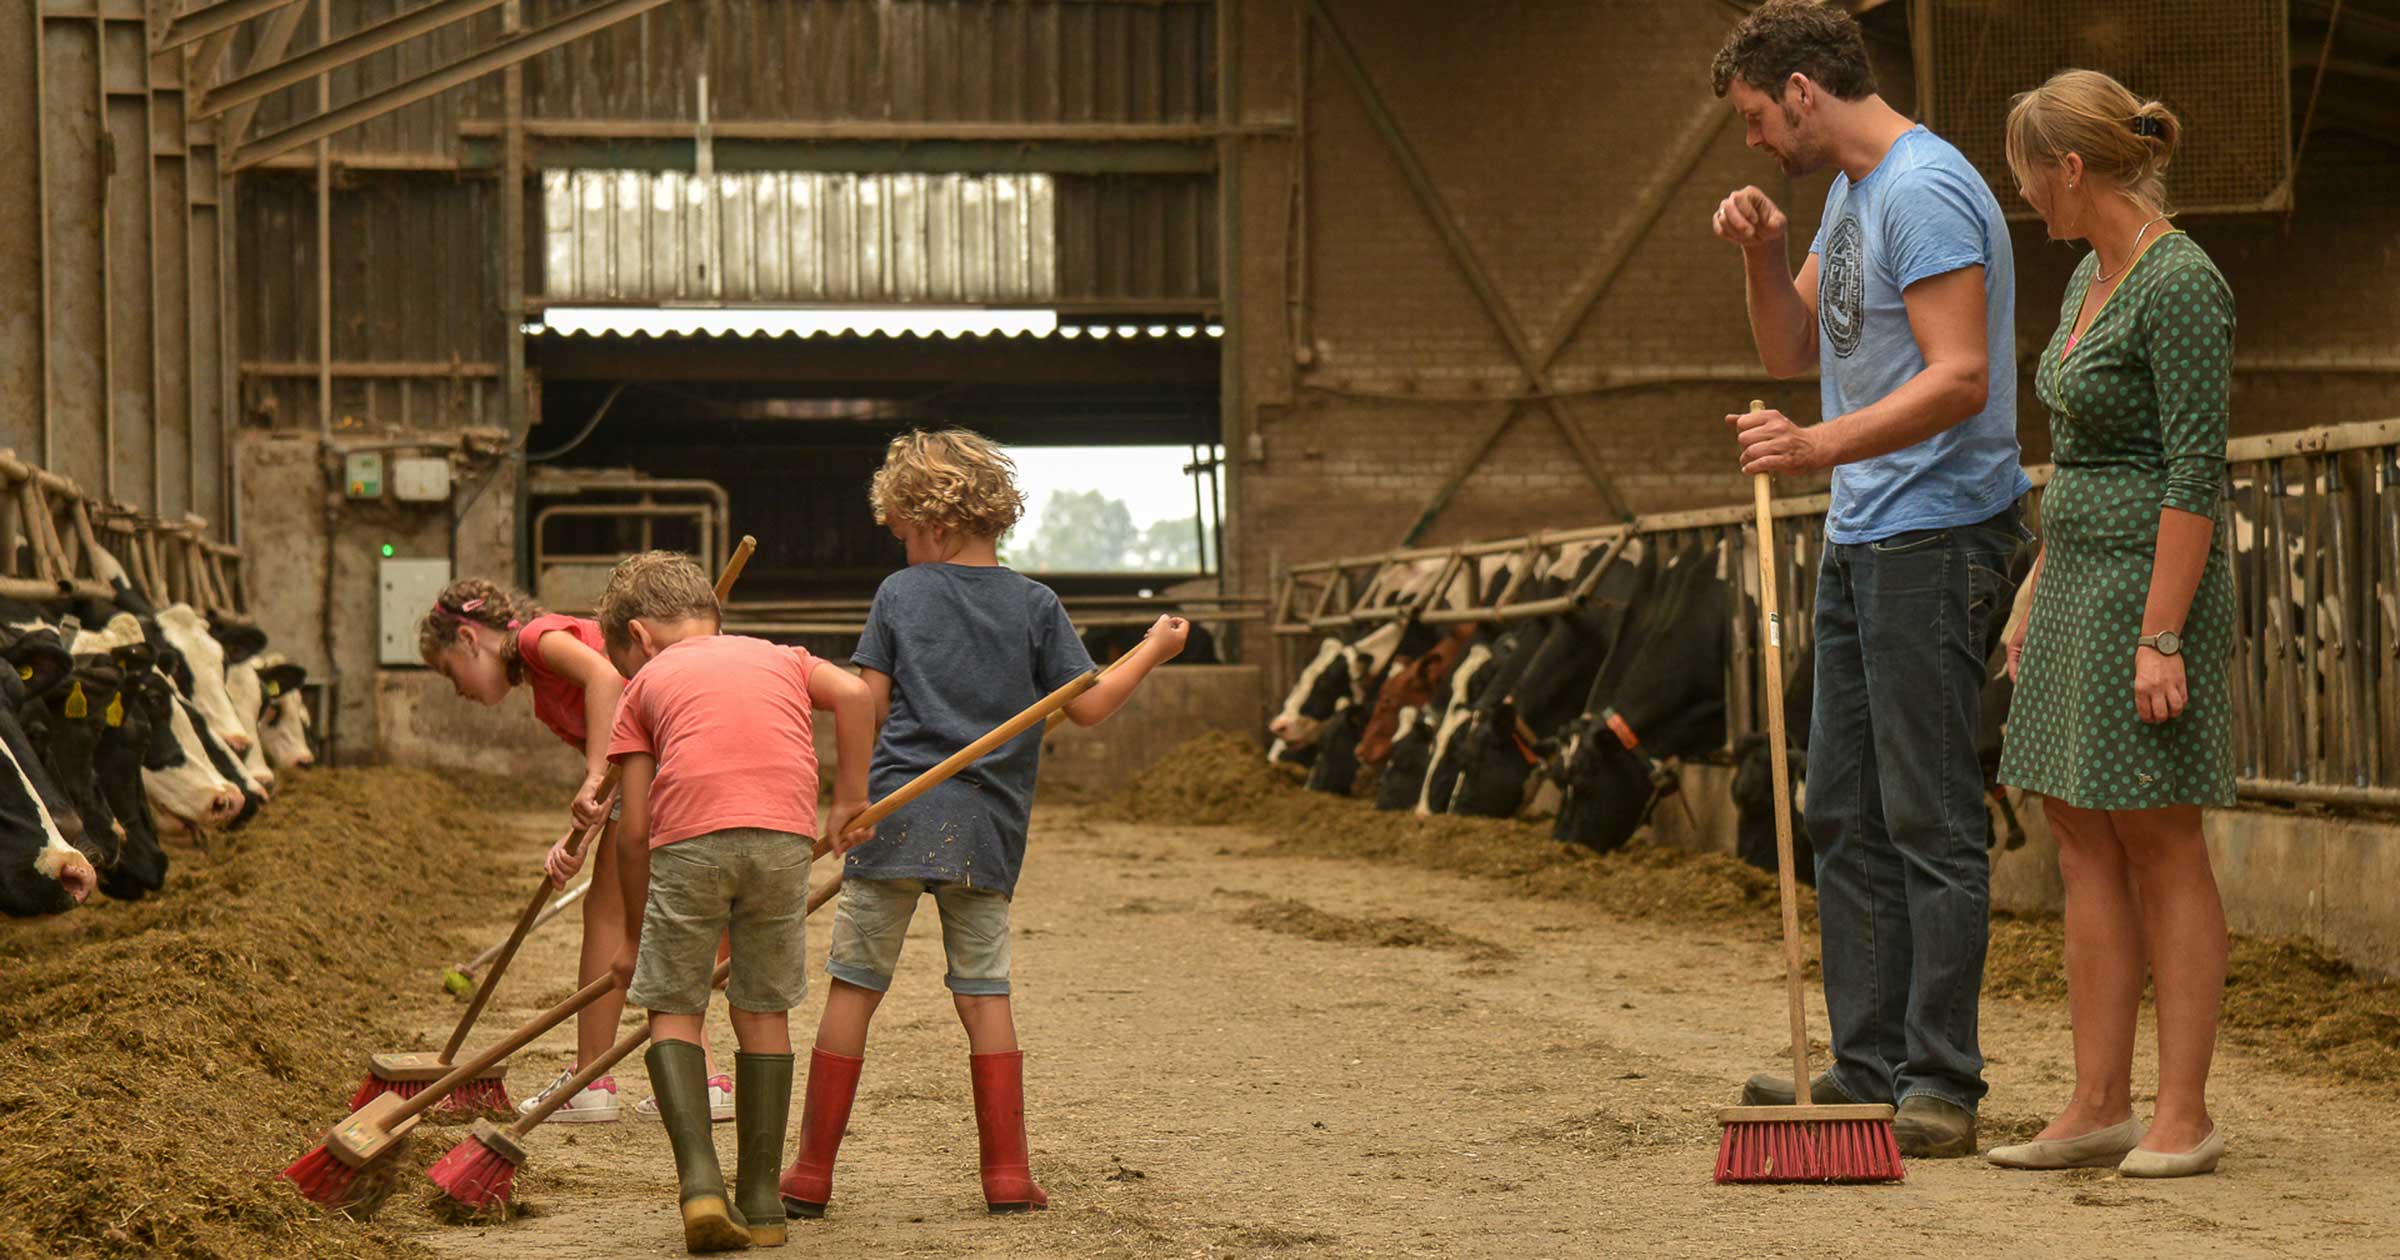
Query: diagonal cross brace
[1445,222]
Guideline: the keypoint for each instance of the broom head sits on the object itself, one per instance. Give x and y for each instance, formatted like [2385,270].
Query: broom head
[407,1075]
[479,1172]
[459,983]
[1850,1142]
[351,1171]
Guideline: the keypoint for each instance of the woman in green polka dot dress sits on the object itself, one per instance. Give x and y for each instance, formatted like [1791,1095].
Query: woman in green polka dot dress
[2122,719]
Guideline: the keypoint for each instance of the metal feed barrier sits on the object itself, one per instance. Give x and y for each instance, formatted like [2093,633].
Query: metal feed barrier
[2313,543]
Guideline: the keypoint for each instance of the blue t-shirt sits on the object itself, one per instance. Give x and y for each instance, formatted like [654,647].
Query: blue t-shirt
[967,647]
[1923,211]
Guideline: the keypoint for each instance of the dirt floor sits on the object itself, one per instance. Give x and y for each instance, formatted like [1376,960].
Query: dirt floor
[1234,1050]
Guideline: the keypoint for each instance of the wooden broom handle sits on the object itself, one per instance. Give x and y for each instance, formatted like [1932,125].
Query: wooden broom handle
[576,843]
[1771,638]
[505,1047]
[969,755]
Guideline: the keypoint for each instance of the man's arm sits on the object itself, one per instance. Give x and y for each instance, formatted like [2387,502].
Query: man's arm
[1783,308]
[1946,317]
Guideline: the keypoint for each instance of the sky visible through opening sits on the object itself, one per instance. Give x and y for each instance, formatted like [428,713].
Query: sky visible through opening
[1079,532]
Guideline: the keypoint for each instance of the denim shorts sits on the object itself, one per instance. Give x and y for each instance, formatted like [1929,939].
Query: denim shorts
[872,921]
[746,882]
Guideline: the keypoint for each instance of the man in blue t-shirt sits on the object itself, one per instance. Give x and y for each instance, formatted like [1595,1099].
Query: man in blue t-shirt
[1906,305]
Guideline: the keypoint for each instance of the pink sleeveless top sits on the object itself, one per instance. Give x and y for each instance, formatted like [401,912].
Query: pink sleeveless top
[557,699]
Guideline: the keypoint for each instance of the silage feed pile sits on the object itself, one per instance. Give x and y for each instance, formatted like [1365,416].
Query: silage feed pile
[161,1061]
[2288,1001]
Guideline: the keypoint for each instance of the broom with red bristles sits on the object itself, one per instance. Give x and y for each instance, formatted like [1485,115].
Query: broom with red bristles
[350,1170]
[1805,1142]
[406,1073]
[480,1171]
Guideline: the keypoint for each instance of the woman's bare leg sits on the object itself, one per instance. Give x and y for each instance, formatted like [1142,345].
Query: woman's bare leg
[2184,922]
[2104,968]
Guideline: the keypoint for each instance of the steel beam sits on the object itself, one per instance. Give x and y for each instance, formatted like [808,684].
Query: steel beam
[259,84]
[507,52]
[271,45]
[1445,222]
[222,16]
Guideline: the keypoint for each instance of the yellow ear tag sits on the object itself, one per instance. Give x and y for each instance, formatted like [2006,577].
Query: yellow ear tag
[77,706]
[25,672]
[116,710]
[274,689]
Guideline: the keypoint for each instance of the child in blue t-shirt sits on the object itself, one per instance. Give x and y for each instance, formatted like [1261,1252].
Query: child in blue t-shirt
[954,646]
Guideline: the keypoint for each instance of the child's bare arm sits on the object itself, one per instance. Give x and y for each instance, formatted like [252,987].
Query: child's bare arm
[633,853]
[570,658]
[858,708]
[1164,643]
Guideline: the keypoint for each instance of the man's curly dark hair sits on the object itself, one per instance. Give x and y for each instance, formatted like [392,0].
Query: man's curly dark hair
[1786,37]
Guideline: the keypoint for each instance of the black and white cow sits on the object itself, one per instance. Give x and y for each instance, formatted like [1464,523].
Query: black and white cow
[1512,730]
[1660,695]
[282,714]
[42,871]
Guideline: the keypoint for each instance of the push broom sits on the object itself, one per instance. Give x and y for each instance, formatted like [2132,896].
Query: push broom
[1805,1142]
[351,1169]
[407,1072]
[480,1171]
[458,979]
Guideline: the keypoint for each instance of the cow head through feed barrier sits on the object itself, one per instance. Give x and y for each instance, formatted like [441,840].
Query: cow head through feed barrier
[42,870]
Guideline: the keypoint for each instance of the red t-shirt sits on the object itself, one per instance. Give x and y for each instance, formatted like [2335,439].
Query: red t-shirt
[558,699]
[733,727]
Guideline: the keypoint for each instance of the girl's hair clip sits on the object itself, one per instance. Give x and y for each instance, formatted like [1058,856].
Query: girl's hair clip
[472,604]
[2145,125]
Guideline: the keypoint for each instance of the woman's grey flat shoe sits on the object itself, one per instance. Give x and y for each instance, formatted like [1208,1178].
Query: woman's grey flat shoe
[2200,1159]
[2101,1148]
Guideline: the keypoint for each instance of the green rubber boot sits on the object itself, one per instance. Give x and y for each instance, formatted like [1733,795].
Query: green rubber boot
[762,1107]
[679,1081]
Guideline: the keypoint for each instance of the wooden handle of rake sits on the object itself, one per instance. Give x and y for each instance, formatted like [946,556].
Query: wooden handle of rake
[577,842]
[1041,711]
[505,1047]
[1779,753]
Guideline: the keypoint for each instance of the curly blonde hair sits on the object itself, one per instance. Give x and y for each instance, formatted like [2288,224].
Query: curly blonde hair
[952,480]
[500,609]
[654,586]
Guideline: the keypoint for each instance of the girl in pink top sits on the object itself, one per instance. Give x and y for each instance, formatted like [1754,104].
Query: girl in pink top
[488,640]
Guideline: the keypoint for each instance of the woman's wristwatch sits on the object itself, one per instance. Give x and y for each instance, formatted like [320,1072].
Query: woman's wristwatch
[2165,642]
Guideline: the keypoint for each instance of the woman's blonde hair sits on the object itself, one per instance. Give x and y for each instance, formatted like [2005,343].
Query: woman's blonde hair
[2120,137]
[952,480]
[500,609]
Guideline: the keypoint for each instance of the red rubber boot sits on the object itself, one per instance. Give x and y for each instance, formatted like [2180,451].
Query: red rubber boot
[807,1185]
[1000,1131]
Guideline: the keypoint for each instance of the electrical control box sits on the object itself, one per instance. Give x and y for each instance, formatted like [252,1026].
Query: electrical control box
[409,588]
[421,480]
[362,474]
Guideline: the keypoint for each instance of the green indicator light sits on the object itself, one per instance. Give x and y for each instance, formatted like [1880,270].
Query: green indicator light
[387,551]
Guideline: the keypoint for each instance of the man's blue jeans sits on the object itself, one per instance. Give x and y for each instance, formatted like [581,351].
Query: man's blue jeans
[1895,804]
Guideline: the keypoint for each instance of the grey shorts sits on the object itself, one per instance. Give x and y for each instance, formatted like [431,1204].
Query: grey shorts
[872,921]
[745,881]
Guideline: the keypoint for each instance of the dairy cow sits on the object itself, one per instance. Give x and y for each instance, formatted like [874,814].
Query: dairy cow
[282,715]
[41,869]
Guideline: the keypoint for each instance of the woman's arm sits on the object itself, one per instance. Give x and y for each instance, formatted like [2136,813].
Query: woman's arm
[570,658]
[2021,614]
[2192,312]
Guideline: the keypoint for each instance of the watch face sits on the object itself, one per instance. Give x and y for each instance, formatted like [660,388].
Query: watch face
[2169,642]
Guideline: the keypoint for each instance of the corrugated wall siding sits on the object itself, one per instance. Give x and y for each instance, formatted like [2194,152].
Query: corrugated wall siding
[421,341]
[801,237]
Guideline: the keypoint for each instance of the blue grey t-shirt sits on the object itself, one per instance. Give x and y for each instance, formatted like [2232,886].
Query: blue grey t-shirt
[1923,211]
[967,647]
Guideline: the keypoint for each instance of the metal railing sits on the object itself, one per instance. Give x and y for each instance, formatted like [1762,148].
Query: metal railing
[2312,540]
[60,530]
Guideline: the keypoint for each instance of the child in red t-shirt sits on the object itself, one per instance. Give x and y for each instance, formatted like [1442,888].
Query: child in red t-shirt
[488,640]
[716,737]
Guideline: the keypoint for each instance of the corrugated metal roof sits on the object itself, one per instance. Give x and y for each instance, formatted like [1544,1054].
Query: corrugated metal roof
[937,323]
[798,236]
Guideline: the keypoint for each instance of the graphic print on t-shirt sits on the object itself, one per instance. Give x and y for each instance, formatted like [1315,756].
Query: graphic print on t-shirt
[1842,292]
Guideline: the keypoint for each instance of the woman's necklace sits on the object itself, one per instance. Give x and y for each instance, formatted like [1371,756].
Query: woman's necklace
[2106,276]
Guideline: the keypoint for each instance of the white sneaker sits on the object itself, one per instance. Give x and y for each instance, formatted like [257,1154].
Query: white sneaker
[720,1101]
[597,1104]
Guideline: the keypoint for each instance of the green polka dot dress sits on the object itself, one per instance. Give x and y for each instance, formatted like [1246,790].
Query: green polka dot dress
[2137,423]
